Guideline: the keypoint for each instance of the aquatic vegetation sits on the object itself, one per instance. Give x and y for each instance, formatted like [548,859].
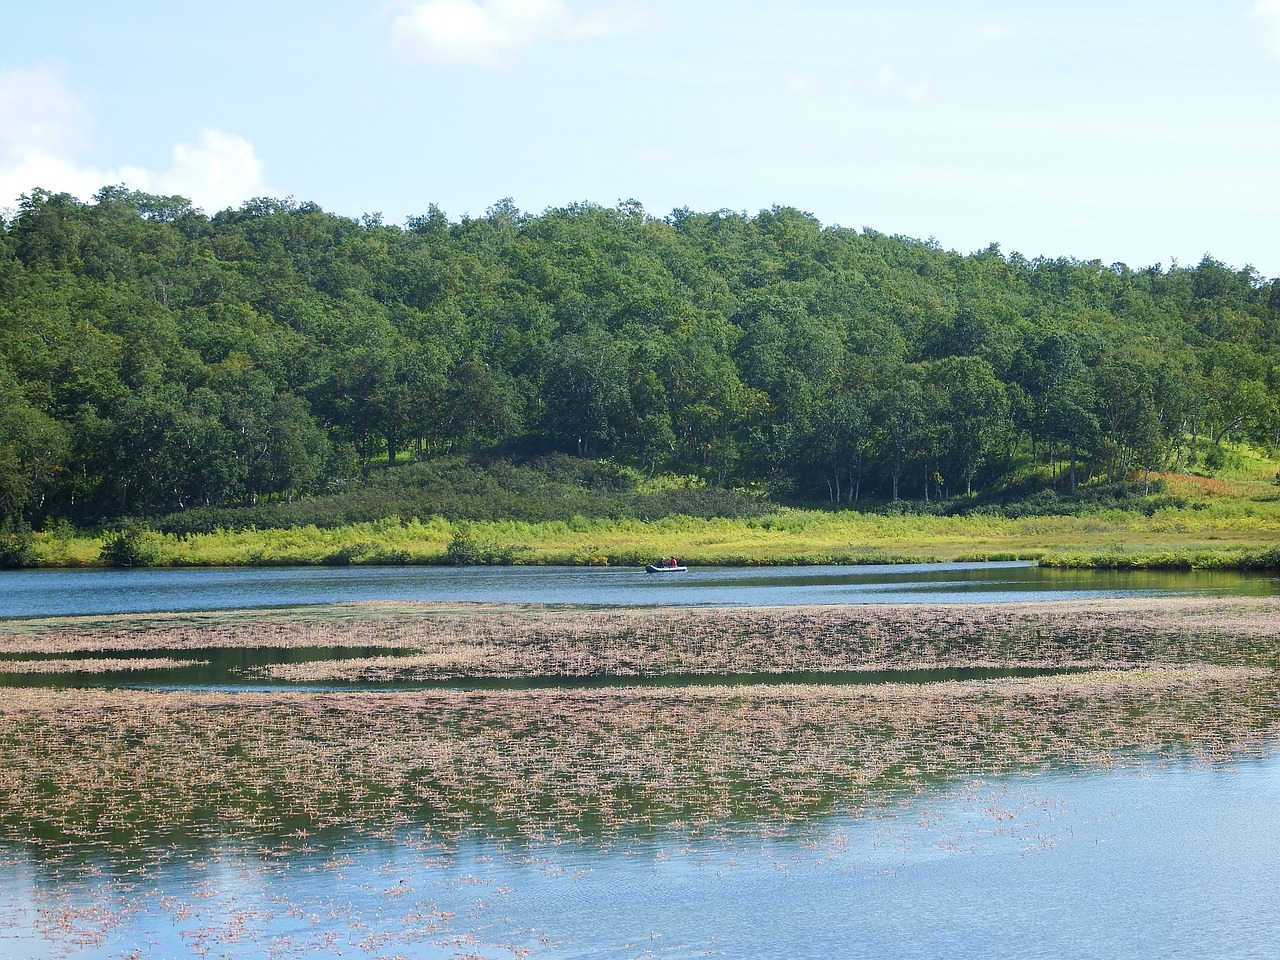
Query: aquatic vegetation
[460,639]
[123,802]
[146,769]
[94,665]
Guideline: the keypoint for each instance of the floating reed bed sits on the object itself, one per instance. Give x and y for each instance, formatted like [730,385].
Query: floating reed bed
[159,770]
[528,641]
[95,665]
[155,770]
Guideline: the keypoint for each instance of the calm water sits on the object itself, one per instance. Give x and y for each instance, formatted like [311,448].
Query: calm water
[1183,862]
[1176,862]
[241,669]
[33,593]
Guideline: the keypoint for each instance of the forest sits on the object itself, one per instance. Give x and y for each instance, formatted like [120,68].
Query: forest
[155,360]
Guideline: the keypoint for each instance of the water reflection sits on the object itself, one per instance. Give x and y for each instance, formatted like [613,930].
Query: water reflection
[34,593]
[242,668]
[541,818]
[1182,862]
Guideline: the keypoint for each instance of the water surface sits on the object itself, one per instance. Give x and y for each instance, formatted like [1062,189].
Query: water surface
[34,593]
[1179,862]
[241,669]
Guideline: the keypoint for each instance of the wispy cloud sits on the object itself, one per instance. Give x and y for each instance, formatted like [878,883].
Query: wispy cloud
[39,110]
[801,84]
[1268,11]
[888,81]
[45,127]
[484,31]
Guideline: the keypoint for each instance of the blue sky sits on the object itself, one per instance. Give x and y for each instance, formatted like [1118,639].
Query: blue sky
[1128,130]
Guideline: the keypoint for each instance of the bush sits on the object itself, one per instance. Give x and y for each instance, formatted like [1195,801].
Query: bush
[1085,501]
[17,548]
[346,555]
[460,489]
[464,550]
[130,546]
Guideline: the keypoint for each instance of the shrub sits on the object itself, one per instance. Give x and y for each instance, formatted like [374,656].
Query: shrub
[17,548]
[465,550]
[130,546]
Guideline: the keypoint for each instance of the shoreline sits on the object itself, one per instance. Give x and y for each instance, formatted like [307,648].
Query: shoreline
[1210,534]
[1233,559]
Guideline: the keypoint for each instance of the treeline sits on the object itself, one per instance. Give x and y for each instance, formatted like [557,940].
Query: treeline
[154,359]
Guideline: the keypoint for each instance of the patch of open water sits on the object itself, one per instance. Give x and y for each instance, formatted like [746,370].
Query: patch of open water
[40,593]
[240,669]
[1174,862]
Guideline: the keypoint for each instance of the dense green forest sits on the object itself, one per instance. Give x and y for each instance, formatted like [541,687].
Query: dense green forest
[154,359]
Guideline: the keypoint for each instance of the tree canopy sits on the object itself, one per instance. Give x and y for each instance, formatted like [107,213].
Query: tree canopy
[153,358]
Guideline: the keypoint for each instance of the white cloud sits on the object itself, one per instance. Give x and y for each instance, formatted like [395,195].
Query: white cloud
[44,133]
[482,31]
[887,80]
[1268,11]
[219,170]
[801,84]
[40,111]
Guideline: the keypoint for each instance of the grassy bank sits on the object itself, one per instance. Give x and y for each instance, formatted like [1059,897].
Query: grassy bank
[568,511]
[1222,533]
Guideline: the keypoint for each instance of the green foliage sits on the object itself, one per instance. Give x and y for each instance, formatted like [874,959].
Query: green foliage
[347,554]
[466,549]
[16,545]
[1137,498]
[129,546]
[550,488]
[277,364]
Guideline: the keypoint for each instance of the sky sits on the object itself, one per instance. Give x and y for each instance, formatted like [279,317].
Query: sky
[1125,131]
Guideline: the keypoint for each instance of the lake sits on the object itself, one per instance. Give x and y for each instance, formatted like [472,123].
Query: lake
[907,814]
[33,593]
[1181,862]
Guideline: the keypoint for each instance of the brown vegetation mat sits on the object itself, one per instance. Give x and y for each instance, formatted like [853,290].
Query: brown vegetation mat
[1170,678]
[95,665]
[516,641]
[139,767]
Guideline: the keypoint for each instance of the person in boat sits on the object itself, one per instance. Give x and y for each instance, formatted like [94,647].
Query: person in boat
[675,562]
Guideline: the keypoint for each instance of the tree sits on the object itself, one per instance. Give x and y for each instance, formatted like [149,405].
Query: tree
[843,426]
[974,411]
[900,414]
[32,448]
[1059,396]
[481,405]
[587,396]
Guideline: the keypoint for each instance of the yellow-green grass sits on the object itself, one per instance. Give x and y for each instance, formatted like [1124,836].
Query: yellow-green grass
[1224,525]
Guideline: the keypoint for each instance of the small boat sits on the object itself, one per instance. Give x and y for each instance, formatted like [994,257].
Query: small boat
[651,568]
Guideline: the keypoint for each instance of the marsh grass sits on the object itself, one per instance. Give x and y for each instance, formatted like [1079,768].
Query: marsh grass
[95,665]
[147,770]
[140,768]
[1218,531]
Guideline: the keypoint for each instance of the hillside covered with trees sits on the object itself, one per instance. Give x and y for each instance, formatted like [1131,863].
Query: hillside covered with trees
[154,359]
